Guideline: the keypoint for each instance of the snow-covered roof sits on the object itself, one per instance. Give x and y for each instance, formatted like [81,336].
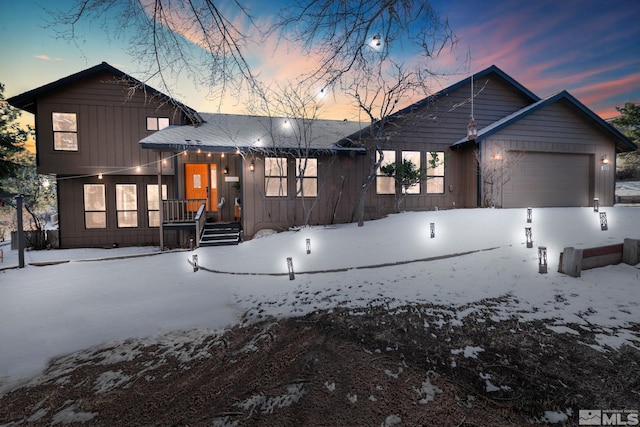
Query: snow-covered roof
[229,132]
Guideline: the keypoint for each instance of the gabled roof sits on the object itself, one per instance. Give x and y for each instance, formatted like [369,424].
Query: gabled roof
[622,142]
[229,132]
[27,100]
[450,89]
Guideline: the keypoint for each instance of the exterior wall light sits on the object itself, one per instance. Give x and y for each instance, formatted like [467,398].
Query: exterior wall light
[596,204]
[472,129]
[290,268]
[195,263]
[252,167]
[527,232]
[603,221]
[432,227]
[529,215]
[225,170]
[542,259]
[605,160]
[308,246]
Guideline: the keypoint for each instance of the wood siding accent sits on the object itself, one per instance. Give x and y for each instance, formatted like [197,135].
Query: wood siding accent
[111,121]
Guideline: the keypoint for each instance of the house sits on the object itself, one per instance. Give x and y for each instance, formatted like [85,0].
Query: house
[117,147]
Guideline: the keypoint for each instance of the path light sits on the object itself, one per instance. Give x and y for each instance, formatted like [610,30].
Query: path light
[432,226]
[603,221]
[308,246]
[527,232]
[529,213]
[290,268]
[195,262]
[542,259]
[596,204]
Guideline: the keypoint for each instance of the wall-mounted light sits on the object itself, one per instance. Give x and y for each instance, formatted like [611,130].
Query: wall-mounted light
[308,242]
[542,259]
[603,221]
[252,167]
[432,228]
[527,233]
[290,268]
[596,204]
[529,215]
[225,170]
[605,160]
[222,156]
[199,151]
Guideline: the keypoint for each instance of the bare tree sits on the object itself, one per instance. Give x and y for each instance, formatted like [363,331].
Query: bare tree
[496,166]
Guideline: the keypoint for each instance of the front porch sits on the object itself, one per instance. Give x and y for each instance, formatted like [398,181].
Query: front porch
[197,226]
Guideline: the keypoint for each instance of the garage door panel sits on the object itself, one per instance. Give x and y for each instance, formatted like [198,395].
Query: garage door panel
[547,180]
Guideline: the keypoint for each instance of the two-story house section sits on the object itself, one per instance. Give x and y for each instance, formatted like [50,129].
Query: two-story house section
[87,130]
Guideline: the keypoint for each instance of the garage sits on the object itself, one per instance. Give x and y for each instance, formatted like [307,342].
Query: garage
[549,179]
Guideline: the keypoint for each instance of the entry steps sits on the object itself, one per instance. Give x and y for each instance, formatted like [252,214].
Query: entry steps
[220,234]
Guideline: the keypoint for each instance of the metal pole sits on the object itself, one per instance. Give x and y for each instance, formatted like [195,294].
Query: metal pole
[19,199]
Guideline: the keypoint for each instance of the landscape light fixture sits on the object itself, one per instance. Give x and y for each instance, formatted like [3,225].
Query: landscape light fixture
[290,268]
[542,259]
[432,226]
[529,215]
[596,204]
[308,246]
[527,233]
[195,262]
[603,221]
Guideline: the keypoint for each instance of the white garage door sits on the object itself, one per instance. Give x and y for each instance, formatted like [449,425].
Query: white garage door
[546,180]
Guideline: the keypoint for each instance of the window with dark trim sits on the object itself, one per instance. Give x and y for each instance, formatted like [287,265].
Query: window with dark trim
[157,123]
[385,184]
[275,176]
[307,177]
[414,157]
[65,131]
[153,207]
[435,172]
[95,206]
[127,205]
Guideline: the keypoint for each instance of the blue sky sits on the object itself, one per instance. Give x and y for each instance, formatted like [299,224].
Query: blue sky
[589,47]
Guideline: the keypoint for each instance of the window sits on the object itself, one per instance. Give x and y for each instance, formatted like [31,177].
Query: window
[435,172]
[95,207]
[157,123]
[153,207]
[65,131]
[386,184]
[307,179]
[275,176]
[127,205]
[414,157]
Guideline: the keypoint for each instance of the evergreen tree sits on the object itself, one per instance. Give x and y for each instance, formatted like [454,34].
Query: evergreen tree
[628,164]
[12,139]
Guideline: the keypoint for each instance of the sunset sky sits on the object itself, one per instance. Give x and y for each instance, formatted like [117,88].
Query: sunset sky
[590,48]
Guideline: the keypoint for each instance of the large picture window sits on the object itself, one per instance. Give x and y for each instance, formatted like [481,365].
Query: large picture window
[95,206]
[275,176]
[127,205]
[435,172]
[157,123]
[153,205]
[65,131]
[386,184]
[307,177]
[414,157]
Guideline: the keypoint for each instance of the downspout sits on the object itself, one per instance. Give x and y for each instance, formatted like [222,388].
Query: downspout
[479,177]
[160,202]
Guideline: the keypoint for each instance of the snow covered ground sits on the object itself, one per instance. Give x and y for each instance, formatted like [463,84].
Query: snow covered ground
[46,311]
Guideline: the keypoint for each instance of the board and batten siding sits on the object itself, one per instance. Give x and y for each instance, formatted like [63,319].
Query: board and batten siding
[110,124]
[560,129]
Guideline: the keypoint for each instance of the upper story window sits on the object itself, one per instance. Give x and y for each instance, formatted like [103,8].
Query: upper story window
[65,131]
[275,176]
[157,123]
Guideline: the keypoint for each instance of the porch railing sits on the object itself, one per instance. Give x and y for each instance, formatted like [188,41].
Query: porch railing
[183,210]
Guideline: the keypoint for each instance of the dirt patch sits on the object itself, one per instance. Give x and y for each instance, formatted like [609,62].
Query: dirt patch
[415,366]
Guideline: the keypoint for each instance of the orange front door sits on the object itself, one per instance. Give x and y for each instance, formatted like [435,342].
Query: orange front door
[201,183]
[196,183]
